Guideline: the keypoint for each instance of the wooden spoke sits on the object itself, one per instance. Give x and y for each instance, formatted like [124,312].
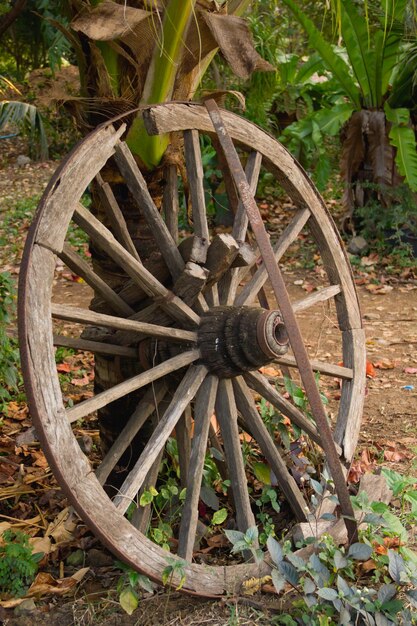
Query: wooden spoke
[259,383]
[204,409]
[95,346]
[212,296]
[252,170]
[318,296]
[327,369]
[226,414]
[82,268]
[183,437]
[116,217]
[198,203]
[250,291]
[103,237]
[170,202]
[143,411]
[85,316]
[247,408]
[245,255]
[182,397]
[137,185]
[132,384]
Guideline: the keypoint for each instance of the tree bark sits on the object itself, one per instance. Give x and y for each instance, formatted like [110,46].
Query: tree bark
[8,18]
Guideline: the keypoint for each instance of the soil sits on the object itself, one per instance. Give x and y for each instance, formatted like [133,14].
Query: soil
[388,435]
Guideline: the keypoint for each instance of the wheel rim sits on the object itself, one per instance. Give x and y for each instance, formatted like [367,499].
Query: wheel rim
[227,396]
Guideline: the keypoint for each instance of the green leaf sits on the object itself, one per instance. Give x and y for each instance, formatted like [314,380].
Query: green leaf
[145,583]
[412,597]
[278,580]
[234,536]
[333,62]
[327,594]
[289,572]
[275,550]
[360,551]
[219,516]
[128,600]
[386,592]
[403,139]
[262,472]
[395,525]
[396,566]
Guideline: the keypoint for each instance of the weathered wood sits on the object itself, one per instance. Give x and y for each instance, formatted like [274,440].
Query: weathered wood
[70,182]
[85,316]
[245,256]
[226,414]
[95,346]
[143,411]
[82,268]
[353,392]
[220,256]
[293,179]
[103,237]
[327,369]
[191,282]
[71,466]
[212,295]
[260,384]
[252,170]
[137,185]
[318,296]
[183,437]
[182,397]
[196,183]
[132,384]
[251,289]
[170,201]
[247,408]
[115,216]
[204,409]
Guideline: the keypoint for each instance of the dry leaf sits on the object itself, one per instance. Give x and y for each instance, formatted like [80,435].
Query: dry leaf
[253,585]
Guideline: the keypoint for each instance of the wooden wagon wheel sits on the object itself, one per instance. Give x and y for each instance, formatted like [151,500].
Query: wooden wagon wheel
[199,337]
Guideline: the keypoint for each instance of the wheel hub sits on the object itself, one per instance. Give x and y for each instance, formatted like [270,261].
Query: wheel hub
[237,339]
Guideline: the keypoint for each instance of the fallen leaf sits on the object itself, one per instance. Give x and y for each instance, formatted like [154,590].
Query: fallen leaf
[80,382]
[410,370]
[64,368]
[17,410]
[253,585]
[370,370]
[385,364]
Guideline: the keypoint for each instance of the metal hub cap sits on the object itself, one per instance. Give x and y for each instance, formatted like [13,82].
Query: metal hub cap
[237,339]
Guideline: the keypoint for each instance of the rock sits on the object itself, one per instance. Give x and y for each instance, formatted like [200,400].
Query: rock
[26,606]
[23,160]
[358,245]
[76,558]
[98,558]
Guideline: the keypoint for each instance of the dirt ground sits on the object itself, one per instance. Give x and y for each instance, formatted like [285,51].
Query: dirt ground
[388,435]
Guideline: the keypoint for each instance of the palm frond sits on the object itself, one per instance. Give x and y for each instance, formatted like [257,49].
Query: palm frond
[27,117]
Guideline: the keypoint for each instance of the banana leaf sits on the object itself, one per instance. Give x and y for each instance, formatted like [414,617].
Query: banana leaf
[403,138]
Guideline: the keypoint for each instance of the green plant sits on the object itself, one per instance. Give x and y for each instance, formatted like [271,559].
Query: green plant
[391,231]
[129,587]
[245,542]
[26,118]
[18,564]
[372,79]
[10,377]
